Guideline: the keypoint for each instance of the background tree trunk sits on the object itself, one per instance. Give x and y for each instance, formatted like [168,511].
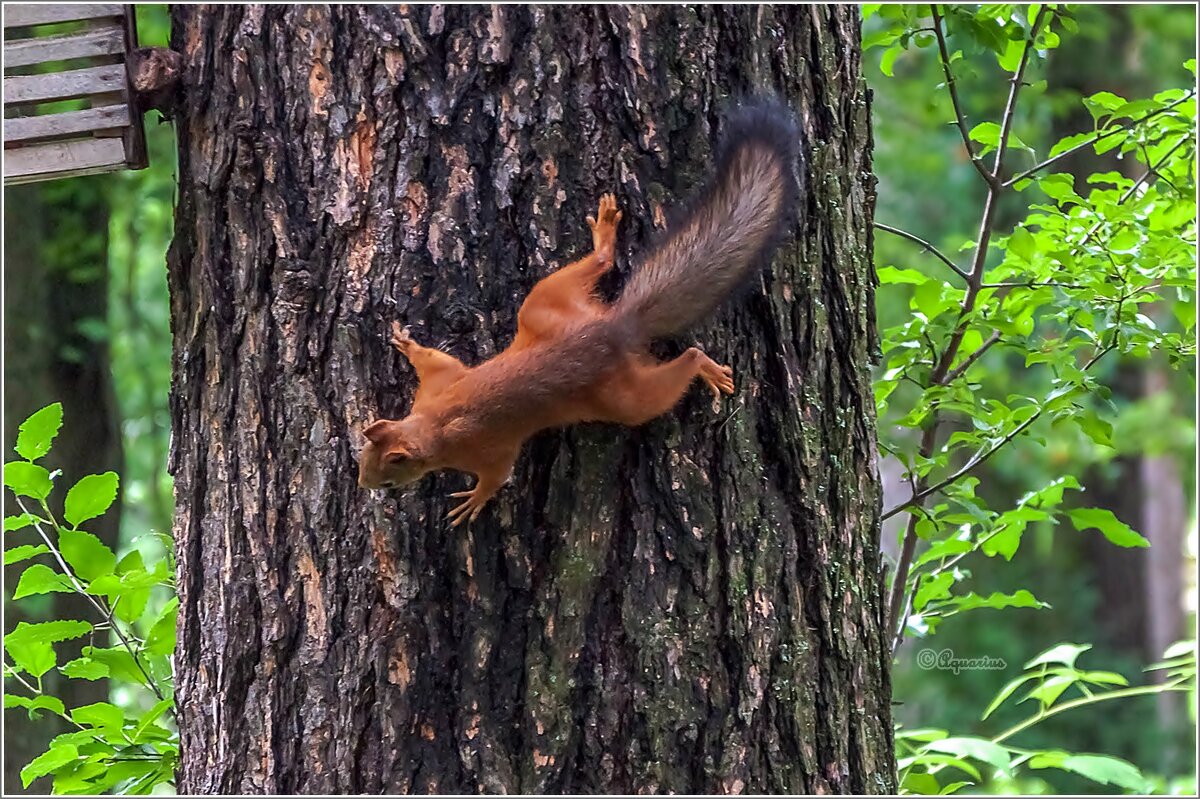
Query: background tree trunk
[695,606]
[56,298]
[1142,608]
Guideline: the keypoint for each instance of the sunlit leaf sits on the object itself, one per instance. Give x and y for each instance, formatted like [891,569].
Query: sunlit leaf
[38,431]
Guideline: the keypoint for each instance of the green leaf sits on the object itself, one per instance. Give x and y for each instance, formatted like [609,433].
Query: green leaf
[888,59]
[978,748]
[986,133]
[954,787]
[1067,142]
[152,715]
[1063,653]
[1005,693]
[1179,649]
[1010,59]
[41,579]
[19,522]
[161,638]
[1049,690]
[36,432]
[86,554]
[48,762]
[921,734]
[90,497]
[1005,541]
[119,662]
[1113,528]
[132,605]
[47,632]
[24,552]
[1104,678]
[927,759]
[1098,768]
[34,704]
[937,587]
[132,562]
[27,479]
[1021,243]
[99,714]
[890,274]
[920,783]
[998,600]
[33,657]
[84,669]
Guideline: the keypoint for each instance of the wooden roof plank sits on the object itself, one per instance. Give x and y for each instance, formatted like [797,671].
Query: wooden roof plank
[99,42]
[19,15]
[66,85]
[49,126]
[63,159]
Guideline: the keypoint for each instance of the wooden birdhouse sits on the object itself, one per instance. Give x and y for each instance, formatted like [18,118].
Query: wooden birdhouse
[70,104]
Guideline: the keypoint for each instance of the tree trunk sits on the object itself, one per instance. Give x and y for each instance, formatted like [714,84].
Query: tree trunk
[56,290]
[694,606]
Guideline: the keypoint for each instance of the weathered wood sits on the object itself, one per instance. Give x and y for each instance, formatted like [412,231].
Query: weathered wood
[100,42]
[20,15]
[693,606]
[68,85]
[63,159]
[136,155]
[50,126]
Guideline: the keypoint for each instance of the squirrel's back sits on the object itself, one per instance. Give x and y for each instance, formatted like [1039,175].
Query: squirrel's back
[728,231]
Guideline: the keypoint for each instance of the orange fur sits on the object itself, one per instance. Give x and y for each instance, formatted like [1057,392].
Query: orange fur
[575,359]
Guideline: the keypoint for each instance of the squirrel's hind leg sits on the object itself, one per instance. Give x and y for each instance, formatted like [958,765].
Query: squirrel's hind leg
[643,391]
[565,297]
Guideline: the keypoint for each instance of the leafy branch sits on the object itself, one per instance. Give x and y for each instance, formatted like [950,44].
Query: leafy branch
[1096,139]
[974,286]
[111,747]
[1049,676]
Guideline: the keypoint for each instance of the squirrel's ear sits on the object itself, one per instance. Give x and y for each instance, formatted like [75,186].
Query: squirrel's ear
[374,431]
[397,455]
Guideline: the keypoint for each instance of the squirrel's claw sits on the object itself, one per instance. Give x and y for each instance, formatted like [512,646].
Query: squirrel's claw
[469,510]
[401,338]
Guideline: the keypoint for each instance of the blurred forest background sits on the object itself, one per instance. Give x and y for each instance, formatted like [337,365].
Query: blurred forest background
[87,324]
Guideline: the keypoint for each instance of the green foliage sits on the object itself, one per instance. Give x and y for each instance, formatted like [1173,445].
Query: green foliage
[125,749]
[1065,275]
[1054,685]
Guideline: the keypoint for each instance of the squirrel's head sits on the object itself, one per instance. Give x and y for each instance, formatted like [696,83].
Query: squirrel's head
[394,454]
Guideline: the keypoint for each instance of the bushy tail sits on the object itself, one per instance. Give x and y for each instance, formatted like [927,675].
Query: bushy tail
[730,229]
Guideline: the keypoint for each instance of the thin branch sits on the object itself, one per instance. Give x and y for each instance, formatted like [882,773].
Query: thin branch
[982,457]
[974,285]
[96,603]
[1151,169]
[1121,693]
[1095,139]
[929,248]
[1033,284]
[952,87]
[957,371]
[11,672]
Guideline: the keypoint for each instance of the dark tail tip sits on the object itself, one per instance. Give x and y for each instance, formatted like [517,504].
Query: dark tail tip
[766,121]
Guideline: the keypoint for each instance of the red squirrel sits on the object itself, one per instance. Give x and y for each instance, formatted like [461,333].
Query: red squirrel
[576,359]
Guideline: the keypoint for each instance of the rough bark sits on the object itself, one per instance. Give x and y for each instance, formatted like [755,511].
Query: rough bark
[694,606]
[56,277]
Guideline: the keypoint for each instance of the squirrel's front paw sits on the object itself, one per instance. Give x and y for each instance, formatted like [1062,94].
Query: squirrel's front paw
[401,338]
[718,378]
[604,226]
[469,510]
